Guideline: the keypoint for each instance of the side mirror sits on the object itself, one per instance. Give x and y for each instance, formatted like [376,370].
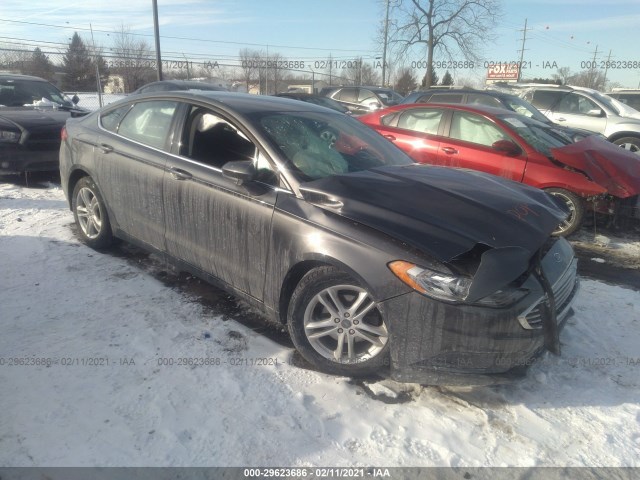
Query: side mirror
[241,171]
[596,112]
[75,99]
[507,147]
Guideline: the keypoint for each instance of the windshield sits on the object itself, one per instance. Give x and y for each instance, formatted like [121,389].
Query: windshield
[524,108]
[540,136]
[18,93]
[317,145]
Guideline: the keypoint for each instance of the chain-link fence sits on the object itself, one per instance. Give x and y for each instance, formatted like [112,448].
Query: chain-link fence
[251,71]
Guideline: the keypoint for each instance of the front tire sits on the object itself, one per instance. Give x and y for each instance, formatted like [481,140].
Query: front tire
[90,214]
[576,207]
[632,144]
[336,325]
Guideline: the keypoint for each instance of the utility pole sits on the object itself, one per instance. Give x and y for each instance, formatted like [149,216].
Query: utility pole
[594,71]
[96,61]
[524,40]
[156,31]
[606,68]
[384,46]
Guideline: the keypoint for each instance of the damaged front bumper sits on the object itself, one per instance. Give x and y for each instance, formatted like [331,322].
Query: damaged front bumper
[434,342]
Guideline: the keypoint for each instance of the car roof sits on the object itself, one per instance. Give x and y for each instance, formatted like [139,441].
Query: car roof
[482,109]
[16,76]
[491,93]
[182,83]
[242,103]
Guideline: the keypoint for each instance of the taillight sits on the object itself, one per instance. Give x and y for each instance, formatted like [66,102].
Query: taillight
[63,133]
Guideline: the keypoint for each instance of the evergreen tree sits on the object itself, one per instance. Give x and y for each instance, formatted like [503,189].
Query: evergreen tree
[434,79]
[447,79]
[80,72]
[39,65]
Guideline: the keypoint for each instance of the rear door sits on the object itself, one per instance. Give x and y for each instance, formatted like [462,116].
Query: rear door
[132,151]
[415,131]
[468,144]
[214,225]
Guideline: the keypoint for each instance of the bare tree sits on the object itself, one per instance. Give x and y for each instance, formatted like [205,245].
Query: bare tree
[562,75]
[249,64]
[592,78]
[450,29]
[134,59]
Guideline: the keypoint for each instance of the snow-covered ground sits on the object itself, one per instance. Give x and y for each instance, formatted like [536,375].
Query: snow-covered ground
[104,328]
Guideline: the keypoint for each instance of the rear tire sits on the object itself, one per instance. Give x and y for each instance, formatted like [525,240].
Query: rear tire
[336,325]
[577,208]
[91,215]
[632,144]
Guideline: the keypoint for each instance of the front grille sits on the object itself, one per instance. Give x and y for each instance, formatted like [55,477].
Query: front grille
[564,289]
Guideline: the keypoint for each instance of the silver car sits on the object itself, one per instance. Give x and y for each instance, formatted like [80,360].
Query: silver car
[589,109]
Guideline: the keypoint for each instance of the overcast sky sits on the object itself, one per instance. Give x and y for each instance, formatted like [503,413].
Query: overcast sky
[562,33]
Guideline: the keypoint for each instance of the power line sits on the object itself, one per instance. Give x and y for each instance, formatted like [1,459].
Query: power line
[186,38]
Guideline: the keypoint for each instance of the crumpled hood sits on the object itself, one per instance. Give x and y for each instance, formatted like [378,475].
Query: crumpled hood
[608,165]
[441,211]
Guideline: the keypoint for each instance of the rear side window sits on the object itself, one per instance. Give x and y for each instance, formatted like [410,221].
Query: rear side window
[446,98]
[479,99]
[365,95]
[149,122]
[347,95]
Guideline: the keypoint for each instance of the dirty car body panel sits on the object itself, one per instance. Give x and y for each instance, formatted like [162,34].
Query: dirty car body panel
[323,191]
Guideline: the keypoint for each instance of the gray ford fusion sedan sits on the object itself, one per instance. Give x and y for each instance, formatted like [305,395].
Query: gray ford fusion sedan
[377,265]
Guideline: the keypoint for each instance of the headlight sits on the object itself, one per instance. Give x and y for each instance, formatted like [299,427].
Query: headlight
[450,287]
[9,136]
[437,284]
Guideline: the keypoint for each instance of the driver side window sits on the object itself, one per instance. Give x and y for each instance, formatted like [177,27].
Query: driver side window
[212,140]
[472,128]
[576,105]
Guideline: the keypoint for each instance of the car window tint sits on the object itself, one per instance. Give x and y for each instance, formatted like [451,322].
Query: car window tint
[347,95]
[365,95]
[544,99]
[214,141]
[475,129]
[446,98]
[111,119]
[479,99]
[421,120]
[576,104]
[424,99]
[148,122]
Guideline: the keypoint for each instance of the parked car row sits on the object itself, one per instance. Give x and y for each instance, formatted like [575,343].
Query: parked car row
[376,263]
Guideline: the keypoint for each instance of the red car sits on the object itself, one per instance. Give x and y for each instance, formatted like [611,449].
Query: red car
[591,173]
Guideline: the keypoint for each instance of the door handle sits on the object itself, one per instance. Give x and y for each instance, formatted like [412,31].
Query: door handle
[561,119]
[178,174]
[390,137]
[449,150]
[105,148]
